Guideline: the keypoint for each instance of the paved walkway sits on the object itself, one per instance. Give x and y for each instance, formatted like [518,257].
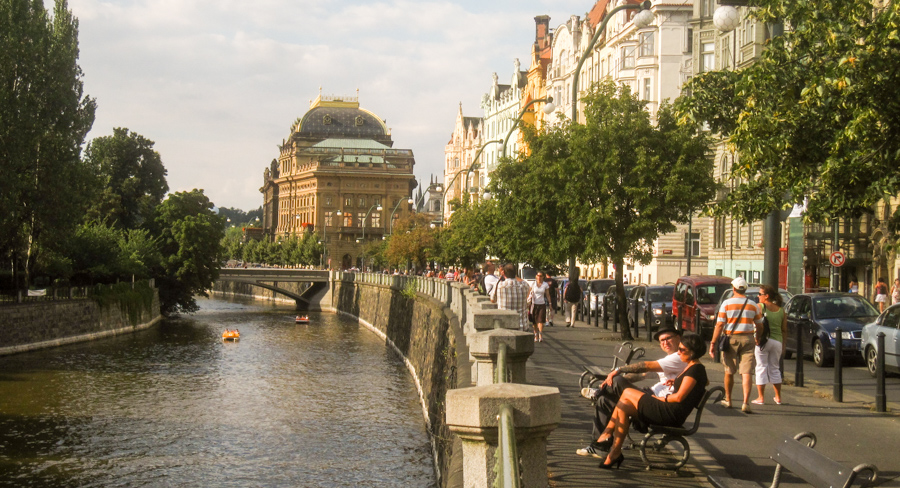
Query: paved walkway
[728,443]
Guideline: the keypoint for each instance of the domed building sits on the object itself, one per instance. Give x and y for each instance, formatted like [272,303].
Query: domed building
[337,174]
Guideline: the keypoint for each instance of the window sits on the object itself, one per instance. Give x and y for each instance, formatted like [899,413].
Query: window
[707,56]
[692,244]
[360,220]
[348,219]
[348,202]
[628,57]
[376,219]
[647,90]
[689,44]
[362,201]
[647,43]
[707,8]
[737,233]
[719,232]
[328,219]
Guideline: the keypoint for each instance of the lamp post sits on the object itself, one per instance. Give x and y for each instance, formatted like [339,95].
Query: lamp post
[548,109]
[366,218]
[641,20]
[391,220]
[469,171]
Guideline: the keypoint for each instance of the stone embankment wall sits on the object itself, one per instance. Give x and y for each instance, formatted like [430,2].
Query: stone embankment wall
[31,326]
[427,334]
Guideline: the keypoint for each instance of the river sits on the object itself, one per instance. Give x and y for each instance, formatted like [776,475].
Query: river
[326,404]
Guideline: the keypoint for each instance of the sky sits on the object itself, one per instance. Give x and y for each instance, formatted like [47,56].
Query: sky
[217,84]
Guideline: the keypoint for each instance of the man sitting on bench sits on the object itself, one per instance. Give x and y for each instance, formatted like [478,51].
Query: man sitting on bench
[607,396]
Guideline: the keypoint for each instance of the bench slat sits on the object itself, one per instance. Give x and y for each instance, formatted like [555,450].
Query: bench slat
[807,463]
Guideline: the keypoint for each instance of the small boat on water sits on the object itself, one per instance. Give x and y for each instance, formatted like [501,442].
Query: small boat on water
[302,319]
[231,335]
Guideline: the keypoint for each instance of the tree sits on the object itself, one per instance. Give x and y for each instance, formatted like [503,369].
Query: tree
[189,235]
[816,116]
[44,118]
[132,178]
[620,182]
[468,239]
[413,240]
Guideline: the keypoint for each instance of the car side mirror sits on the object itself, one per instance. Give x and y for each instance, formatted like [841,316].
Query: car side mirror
[804,316]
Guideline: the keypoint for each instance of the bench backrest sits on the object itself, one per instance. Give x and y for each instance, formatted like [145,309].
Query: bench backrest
[702,404]
[815,468]
[626,353]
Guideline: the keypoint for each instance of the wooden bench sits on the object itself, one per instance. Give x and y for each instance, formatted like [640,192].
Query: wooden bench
[668,435]
[798,456]
[596,374]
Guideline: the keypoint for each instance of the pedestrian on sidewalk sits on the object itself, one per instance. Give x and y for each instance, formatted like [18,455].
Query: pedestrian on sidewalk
[539,296]
[511,293]
[554,291]
[572,295]
[742,317]
[881,291]
[895,292]
[606,397]
[769,356]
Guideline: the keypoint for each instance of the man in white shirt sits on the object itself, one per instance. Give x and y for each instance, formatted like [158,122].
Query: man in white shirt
[607,396]
[490,279]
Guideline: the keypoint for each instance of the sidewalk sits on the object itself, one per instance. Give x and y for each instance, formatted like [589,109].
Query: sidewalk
[728,442]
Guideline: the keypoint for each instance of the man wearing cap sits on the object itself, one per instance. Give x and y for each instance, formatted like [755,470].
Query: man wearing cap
[607,396]
[738,319]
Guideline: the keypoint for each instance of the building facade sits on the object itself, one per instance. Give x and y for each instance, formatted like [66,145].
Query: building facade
[459,153]
[337,174]
[501,106]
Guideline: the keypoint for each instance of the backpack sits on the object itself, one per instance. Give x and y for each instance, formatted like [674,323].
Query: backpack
[766,332]
[482,289]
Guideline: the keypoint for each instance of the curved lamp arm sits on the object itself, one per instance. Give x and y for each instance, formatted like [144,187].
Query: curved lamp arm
[549,101]
[469,169]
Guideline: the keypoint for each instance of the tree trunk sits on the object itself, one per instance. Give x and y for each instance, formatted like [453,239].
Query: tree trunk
[621,312]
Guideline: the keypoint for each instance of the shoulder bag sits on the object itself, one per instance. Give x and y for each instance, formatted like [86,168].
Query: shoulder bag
[722,342]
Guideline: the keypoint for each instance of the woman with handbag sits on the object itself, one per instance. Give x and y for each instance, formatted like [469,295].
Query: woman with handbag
[770,344]
[670,410]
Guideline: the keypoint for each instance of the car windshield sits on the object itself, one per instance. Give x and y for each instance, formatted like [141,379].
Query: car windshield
[600,286]
[710,294]
[528,273]
[661,294]
[843,307]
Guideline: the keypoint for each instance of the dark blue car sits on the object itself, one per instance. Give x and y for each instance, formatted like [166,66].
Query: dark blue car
[817,315]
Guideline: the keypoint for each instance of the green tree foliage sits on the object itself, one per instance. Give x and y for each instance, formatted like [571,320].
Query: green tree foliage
[44,118]
[413,240]
[189,234]
[239,218]
[619,183]
[132,178]
[468,238]
[102,254]
[816,116]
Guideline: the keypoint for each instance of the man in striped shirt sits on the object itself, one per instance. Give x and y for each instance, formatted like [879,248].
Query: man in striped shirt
[511,293]
[738,318]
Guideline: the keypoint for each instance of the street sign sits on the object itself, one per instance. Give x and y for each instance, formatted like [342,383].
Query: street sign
[837,259]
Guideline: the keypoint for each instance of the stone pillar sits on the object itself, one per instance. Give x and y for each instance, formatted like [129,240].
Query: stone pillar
[472,415]
[483,348]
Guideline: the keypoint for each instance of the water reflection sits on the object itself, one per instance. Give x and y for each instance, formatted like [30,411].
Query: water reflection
[324,404]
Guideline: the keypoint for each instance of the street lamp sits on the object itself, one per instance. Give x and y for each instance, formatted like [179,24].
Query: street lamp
[391,221]
[469,171]
[366,219]
[548,109]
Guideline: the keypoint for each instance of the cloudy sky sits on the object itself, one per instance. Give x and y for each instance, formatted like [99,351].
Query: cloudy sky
[218,83]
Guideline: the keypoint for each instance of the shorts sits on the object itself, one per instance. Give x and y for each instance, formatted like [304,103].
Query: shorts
[739,356]
[880,298]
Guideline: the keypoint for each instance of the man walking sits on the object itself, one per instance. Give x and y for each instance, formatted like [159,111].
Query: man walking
[511,293]
[607,396]
[738,319]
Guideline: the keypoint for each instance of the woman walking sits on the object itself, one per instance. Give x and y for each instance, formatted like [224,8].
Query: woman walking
[881,291]
[769,355]
[539,298]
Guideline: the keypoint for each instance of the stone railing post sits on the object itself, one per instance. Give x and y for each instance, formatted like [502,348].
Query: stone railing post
[483,348]
[472,415]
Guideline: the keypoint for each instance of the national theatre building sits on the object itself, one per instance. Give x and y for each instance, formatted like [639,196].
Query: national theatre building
[338,175]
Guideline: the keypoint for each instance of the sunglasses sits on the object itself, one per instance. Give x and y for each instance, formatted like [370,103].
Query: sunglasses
[683,349]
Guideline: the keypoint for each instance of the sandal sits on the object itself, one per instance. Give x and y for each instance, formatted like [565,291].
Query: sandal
[759,401]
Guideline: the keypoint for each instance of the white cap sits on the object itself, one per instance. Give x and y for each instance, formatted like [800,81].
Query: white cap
[739,283]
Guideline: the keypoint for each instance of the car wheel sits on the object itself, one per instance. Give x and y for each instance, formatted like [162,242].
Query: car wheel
[871,360]
[818,353]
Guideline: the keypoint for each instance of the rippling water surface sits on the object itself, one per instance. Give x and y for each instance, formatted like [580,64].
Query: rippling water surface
[324,404]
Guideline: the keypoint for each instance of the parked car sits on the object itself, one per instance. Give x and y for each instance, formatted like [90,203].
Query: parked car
[598,290]
[753,294]
[817,315]
[888,323]
[609,301]
[660,298]
[698,292]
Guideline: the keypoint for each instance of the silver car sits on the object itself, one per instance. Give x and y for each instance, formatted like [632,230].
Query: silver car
[888,323]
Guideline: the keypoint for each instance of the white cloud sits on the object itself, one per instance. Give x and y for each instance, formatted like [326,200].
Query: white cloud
[217,84]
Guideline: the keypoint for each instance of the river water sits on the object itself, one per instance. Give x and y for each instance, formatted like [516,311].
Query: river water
[321,405]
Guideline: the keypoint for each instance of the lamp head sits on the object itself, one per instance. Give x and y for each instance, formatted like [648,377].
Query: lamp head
[378,208]
[726,18]
[409,201]
[339,213]
[643,19]
[549,107]
[438,188]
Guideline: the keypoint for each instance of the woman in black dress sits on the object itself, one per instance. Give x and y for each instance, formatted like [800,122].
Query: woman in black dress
[672,410]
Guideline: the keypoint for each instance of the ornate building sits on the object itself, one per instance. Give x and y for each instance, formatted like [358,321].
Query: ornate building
[458,153]
[337,174]
[501,105]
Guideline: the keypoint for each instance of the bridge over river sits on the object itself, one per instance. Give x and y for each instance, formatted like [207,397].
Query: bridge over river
[307,287]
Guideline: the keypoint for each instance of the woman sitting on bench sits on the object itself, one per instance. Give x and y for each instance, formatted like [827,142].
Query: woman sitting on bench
[671,411]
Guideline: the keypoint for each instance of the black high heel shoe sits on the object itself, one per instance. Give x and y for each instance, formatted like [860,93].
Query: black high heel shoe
[616,462]
[603,445]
